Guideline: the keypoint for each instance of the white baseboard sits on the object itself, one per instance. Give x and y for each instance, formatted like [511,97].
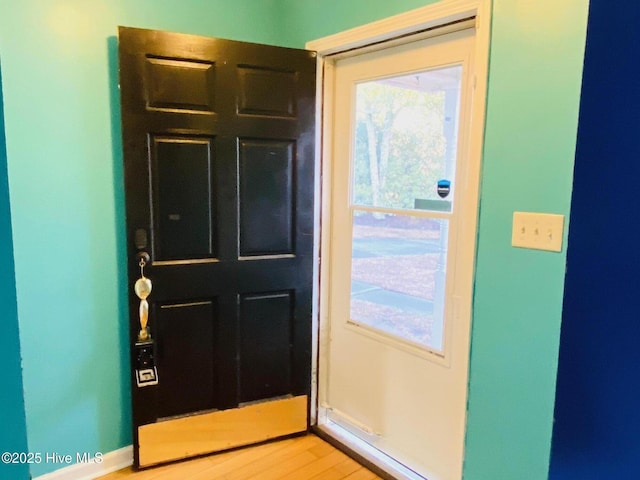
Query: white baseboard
[111,462]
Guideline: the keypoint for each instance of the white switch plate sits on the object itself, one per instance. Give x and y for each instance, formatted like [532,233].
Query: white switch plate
[541,231]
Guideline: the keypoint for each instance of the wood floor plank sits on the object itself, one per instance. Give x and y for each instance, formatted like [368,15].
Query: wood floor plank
[316,467]
[166,472]
[284,455]
[278,471]
[347,467]
[231,460]
[322,449]
[330,474]
[336,472]
[237,460]
[361,474]
[302,458]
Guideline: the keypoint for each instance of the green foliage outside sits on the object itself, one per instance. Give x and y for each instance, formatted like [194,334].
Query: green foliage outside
[400,145]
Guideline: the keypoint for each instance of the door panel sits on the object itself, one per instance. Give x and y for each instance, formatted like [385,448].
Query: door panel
[172,85]
[266,91]
[265,345]
[182,181]
[266,197]
[185,356]
[218,150]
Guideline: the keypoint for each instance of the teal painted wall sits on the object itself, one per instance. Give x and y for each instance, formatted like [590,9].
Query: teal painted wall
[306,20]
[534,91]
[65,178]
[13,430]
[65,175]
[532,114]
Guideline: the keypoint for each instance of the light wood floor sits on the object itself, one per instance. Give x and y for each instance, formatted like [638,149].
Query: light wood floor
[301,458]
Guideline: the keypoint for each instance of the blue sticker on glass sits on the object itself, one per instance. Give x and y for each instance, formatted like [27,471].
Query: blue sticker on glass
[444,187]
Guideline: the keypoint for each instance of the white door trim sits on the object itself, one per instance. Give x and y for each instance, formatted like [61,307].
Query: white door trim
[408,23]
[402,27]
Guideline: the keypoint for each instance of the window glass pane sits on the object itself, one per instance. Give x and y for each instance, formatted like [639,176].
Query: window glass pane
[398,275]
[405,142]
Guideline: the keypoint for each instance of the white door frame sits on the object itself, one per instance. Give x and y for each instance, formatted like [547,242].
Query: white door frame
[409,26]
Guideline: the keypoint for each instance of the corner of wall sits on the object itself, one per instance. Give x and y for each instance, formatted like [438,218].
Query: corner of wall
[13,434]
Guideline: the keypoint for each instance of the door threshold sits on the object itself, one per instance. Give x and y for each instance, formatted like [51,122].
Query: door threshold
[378,462]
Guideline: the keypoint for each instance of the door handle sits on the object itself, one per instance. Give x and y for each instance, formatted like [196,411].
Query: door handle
[143,288]
[145,369]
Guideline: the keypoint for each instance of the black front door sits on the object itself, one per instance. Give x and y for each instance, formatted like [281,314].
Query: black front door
[218,140]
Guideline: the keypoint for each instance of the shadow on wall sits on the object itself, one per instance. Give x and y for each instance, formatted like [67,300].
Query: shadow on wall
[13,430]
[121,236]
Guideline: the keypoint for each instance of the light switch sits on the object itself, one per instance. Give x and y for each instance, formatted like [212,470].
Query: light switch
[541,231]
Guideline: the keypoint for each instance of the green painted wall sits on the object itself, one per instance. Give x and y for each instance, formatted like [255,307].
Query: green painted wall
[13,430]
[306,20]
[534,88]
[534,91]
[65,176]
